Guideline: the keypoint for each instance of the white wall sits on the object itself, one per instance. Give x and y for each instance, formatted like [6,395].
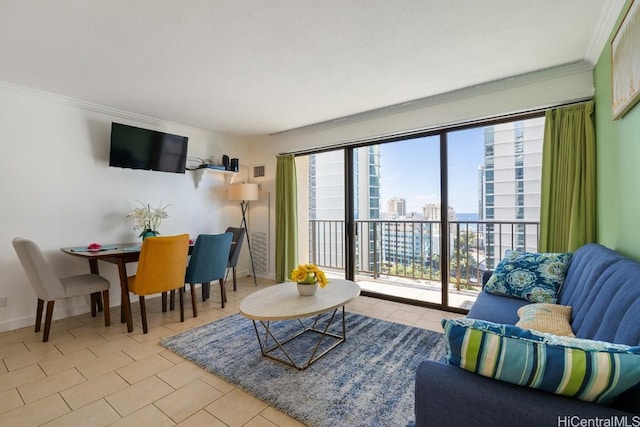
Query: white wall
[56,188]
[518,94]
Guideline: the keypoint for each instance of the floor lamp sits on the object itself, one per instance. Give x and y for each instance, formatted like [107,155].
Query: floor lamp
[245,193]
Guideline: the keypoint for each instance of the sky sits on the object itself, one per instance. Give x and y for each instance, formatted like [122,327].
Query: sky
[411,170]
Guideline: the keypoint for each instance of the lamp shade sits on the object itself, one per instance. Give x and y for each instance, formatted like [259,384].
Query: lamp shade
[244,192]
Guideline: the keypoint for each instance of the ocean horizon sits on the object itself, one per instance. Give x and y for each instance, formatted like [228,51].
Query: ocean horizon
[467,216]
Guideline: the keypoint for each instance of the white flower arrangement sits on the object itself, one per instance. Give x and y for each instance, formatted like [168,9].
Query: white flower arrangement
[147,219]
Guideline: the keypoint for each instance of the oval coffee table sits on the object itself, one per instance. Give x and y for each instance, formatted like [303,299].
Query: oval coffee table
[282,302]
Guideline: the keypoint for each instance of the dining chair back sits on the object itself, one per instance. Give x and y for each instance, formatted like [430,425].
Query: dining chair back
[161,268]
[208,263]
[49,287]
[234,254]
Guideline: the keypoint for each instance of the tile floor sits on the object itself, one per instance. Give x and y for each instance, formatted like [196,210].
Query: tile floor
[89,375]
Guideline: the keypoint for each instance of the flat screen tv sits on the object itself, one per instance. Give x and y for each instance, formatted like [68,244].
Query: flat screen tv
[137,148]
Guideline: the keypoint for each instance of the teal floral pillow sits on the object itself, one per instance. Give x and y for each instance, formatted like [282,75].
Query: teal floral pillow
[529,276]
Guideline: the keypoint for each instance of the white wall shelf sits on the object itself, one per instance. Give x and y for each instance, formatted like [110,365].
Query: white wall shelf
[198,173]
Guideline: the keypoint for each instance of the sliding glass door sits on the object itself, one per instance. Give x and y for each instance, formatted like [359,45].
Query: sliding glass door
[465,169]
[397,218]
[322,221]
[494,176]
[421,218]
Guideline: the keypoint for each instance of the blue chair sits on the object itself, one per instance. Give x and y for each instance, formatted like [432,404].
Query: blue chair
[234,254]
[208,263]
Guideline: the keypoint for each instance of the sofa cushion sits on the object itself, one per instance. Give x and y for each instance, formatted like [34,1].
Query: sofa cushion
[496,308]
[529,276]
[603,287]
[548,318]
[588,370]
[447,396]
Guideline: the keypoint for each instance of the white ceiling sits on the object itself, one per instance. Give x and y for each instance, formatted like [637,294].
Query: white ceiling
[250,67]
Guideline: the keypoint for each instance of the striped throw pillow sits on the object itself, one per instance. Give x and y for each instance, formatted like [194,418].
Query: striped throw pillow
[588,370]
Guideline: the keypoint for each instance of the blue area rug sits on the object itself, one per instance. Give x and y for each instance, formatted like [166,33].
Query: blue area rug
[368,380]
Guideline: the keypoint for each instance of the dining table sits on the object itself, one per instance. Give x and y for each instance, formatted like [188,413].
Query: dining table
[119,254]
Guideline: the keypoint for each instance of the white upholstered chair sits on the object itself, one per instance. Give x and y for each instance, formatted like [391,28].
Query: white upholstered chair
[49,287]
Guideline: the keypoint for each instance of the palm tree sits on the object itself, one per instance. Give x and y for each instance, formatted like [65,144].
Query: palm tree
[463,261]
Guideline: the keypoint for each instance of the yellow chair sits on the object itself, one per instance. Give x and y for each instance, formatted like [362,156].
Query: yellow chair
[161,268]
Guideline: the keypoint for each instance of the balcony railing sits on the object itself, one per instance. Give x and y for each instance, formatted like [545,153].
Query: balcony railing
[411,249]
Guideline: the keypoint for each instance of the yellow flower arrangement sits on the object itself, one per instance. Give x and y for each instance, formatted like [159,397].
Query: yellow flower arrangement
[309,273]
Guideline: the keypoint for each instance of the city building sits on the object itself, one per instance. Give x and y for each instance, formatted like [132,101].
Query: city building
[433,212]
[510,183]
[397,207]
[326,205]
[406,242]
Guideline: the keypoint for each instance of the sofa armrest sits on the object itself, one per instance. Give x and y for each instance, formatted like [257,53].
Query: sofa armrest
[450,396]
[486,275]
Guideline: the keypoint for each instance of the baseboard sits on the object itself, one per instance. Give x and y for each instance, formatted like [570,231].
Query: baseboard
[58,314]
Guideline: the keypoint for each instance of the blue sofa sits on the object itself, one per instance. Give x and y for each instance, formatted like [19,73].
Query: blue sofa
[603,287]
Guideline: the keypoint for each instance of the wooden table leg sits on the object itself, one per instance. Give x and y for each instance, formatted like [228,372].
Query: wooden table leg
[125,306]
[96,299]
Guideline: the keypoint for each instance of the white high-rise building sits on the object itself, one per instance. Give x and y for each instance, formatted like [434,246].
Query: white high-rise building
[433,212]
[397,207]
[405,242]
[511,185]
[326,204]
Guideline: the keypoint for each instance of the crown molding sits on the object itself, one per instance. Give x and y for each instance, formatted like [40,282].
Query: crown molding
[611,10]
[96,108]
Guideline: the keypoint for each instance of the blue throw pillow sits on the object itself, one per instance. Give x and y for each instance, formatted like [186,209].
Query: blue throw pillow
[529,276]
[588,370]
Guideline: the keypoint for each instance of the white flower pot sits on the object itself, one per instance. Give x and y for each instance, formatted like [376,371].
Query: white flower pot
[307,289]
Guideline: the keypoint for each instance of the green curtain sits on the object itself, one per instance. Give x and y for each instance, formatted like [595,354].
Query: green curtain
[286,217]
[568,202]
